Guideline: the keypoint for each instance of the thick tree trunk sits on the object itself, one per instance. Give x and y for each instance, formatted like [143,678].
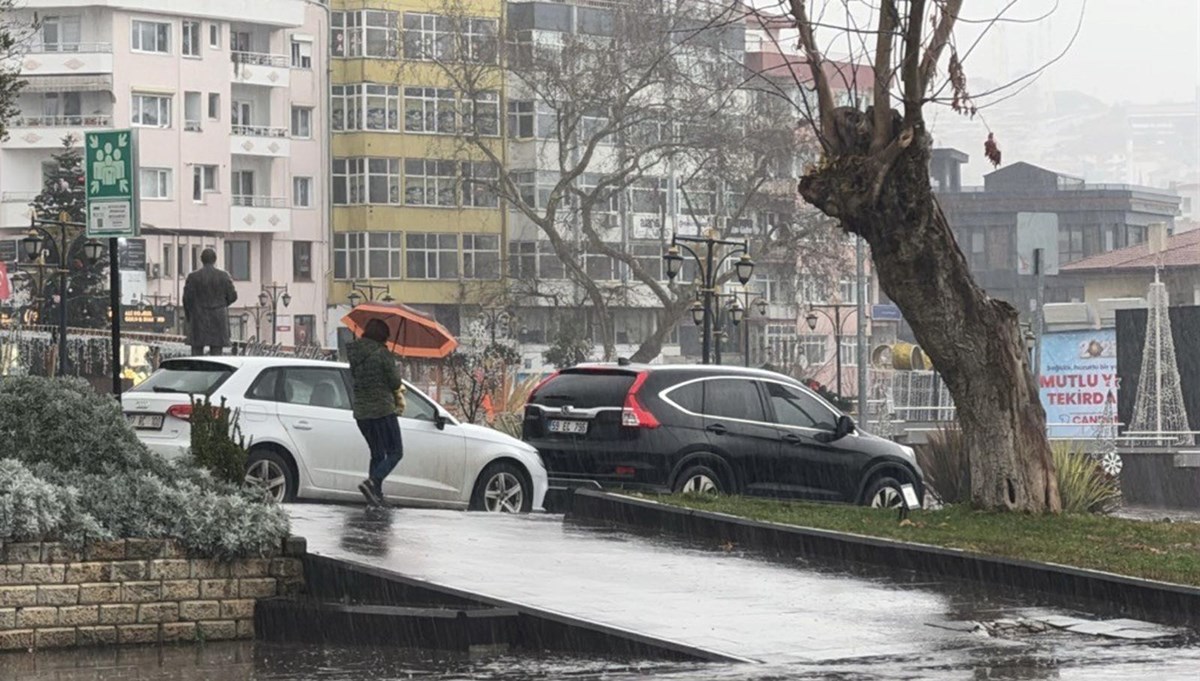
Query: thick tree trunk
[973,340]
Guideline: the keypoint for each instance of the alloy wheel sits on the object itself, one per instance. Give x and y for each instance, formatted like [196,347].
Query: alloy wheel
[268,476]
[504,494]
[700,484]
[887,497]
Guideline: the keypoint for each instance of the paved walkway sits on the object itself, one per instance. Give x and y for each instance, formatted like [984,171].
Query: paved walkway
[720,601]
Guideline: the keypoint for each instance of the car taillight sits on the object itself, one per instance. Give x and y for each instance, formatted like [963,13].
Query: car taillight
[182,412]
[634,415]
[539,386]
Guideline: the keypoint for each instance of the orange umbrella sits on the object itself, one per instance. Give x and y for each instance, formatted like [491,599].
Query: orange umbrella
[411,333]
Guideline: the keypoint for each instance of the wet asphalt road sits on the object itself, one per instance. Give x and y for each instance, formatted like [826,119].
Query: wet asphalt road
[788,620]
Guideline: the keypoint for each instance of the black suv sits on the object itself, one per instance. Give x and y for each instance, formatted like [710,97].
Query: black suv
[689,428]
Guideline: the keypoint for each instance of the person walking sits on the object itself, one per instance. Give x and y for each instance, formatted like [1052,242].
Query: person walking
[378,400]
[207,295]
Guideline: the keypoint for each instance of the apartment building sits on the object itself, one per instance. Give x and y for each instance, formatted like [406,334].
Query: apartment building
[407,222]
[229,103]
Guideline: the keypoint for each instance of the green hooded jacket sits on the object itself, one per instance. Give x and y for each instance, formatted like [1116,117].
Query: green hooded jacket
[375,378]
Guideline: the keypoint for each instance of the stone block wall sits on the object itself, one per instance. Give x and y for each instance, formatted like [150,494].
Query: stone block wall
[133,591]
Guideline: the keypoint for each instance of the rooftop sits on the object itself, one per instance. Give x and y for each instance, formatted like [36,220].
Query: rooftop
[1183,250]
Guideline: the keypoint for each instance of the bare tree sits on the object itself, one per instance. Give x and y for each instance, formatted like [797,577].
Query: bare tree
[14,38]
[873,178]
[642,102]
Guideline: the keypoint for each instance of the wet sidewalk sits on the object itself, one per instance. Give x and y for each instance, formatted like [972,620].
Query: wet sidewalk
[793,615]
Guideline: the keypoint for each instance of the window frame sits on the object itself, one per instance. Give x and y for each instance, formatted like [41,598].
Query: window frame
[833,412]
[431,256]
[665,395]
[308,197]
[163,180]
[354,254]
[472,252]
[433,106]
[194,28]
[301,250]
[235,272]
[135,36]
[137,107]
[340,379]
[299,60]
[434,184]
[305,118]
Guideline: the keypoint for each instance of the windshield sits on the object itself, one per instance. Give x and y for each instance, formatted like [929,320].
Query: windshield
[586,389]
[187,376]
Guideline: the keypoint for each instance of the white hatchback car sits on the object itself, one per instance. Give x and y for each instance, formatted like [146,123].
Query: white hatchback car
[304,443]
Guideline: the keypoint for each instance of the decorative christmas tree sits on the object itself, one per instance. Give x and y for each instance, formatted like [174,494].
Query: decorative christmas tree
[1159,406]
[64,193]
[1106,453]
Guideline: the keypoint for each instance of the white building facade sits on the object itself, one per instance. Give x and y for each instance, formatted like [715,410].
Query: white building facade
[229,103]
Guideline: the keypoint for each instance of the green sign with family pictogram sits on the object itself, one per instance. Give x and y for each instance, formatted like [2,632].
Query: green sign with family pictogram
[111,169]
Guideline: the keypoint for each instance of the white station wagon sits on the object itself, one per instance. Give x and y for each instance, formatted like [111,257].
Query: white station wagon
[304,443]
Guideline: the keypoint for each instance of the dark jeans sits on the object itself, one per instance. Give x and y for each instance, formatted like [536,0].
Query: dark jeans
[212,350]
[383,438]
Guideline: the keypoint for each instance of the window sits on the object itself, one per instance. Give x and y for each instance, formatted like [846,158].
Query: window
[796,408]
[383,181]
[522,260]
[421,39]
[481,256]
[646,195]
[550,266]
[302,192]
[168,263]
[239,41]
[848,290]
[349,255]
[649,256]
[302,122]
[382,107]
[155,183]
[849,349]
[429,182]
[306,329]
[814,348]
[302,261]
[1070,244]
[315,387]
[65,104]
[429,110]
[191,39]
[364,33]
[383,254]
[520,119]
[264,387]
[978,256]
[346,113]
[243,188]
[151,111]
[150,36]
[535,187]
[734,398]
[60,33]
[204,180]
[482,115]
[814,290]
[479,40]
[214,106]
[479,180]
[237,260]
[302,53]
[349,181]
[419,409]
[599,267]
[214,36]
[690,397]
[191,111]
[432,256]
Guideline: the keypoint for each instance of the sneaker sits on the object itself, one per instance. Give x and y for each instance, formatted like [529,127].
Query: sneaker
[368,491]
[378,486]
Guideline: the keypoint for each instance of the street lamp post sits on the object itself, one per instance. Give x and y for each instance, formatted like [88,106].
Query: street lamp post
[499,318]
[360,291]
[270,297]
[835,317]
[709,266]
[737,313]
[35,247]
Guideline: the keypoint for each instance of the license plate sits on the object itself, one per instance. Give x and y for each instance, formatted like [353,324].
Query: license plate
[145,421]
[570,427]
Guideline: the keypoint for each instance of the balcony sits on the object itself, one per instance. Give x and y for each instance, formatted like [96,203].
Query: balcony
[258,140]
[67,59]
[14,208]
[256,68]
[260,214]
[47,132]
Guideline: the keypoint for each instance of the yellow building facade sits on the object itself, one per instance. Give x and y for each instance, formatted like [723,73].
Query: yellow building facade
[407,220]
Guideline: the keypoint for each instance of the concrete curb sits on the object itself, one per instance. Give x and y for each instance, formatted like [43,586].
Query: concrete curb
[1156,601]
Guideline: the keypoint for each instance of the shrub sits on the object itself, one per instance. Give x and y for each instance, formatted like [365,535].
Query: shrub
[217,443]
[64,422]
[1082,484]
[32,509]
[943,458]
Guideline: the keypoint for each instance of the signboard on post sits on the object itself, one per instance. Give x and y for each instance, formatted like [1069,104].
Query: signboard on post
[1078,380]
[111,169]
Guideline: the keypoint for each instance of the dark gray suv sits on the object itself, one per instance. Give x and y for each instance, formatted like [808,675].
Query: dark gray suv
[689,428]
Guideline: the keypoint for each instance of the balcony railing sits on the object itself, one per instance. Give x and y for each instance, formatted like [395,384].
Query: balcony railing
[17,197]
[101,120]
[260,59]
[259,201]
[66,48]
[259,131]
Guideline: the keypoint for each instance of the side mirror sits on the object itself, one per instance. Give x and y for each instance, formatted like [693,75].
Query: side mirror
[439,421]
[845,426]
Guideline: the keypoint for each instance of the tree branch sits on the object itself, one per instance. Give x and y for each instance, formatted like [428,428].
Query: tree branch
[888,19]
[910,69]
[938,41]
[816,64]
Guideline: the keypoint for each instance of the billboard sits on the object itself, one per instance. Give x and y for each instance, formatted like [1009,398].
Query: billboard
[1078,378]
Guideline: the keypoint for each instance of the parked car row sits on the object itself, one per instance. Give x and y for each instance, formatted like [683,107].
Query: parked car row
[665,428]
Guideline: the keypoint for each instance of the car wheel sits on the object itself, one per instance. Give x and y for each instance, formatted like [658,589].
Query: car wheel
[885,492]
[698,479]
[501,488]
[267,470]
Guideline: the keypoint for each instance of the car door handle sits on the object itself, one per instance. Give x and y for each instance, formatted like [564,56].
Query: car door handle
[716,429]
[793,439]
[303,425]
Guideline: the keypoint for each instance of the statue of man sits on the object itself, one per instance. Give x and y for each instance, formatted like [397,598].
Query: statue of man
[207,295]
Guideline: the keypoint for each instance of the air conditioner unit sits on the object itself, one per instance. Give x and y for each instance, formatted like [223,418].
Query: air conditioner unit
[153,270]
